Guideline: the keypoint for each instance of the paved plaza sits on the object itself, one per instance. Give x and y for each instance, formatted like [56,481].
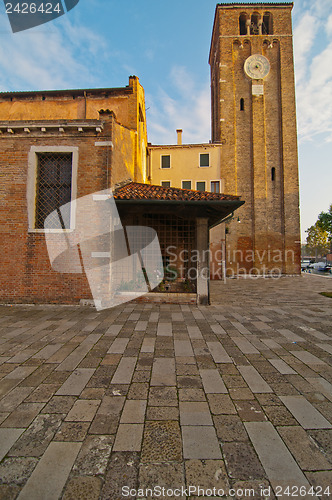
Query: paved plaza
[233,398]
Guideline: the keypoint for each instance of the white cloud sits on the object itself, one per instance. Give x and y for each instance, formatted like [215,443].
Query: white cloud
[189,111]
[60,55]
[313,56]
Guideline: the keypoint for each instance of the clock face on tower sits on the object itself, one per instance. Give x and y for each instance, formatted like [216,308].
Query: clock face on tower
[257,67]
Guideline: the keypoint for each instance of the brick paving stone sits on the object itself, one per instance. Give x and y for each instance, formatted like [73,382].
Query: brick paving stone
[23,415]
[279,415]
[219,354]
[161,442]
[20,372]
[250,411]
[305,413]
[16,471]
[194,332]
[242,462]
[162,413]
[148,344]
[122,471]
[76,382]
[195,413]
[164,329]
[191,395]
[164,475]
[128,437]
[93,457]
[163,396]
[83,488]
[163,372]
[244,345]
[72,431]
[7,439]
[59,404]
[323,438]
[282,367]
[254,380]
[124,371]
[321,481]
[241,393]
[304,449]
[83,410]
[200,442]
[212,382]
[108,415]
[133,412]
[34,441]
[51,473]
[307,358]
[230,428]
[221,404]
[113,330]
[280,466]
[14,398]
[190,382]
[183,348]
[208,474]
[118,346]
[289,335]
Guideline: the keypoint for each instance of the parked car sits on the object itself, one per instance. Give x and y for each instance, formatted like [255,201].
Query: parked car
[305,263]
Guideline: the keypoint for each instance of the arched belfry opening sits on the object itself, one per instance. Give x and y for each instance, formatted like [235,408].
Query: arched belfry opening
[267,26]
[255,26]
[243,24]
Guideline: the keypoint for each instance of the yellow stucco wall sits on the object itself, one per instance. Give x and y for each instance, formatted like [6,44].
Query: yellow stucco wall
[185,165]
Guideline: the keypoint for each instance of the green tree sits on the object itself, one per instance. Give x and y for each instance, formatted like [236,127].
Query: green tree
[317,240]
[325,222]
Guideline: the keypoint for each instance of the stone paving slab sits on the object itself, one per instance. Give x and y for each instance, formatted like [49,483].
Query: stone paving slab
[232,395]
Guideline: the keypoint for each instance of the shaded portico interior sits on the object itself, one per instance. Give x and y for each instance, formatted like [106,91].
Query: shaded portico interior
[182,219]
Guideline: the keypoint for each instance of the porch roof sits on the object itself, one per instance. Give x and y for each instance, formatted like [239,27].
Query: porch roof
[183,202]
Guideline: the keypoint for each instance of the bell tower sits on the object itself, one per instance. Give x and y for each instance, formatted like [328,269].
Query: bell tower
[254,117]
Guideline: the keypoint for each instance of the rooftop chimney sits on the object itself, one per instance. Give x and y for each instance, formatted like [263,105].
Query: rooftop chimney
[179,132]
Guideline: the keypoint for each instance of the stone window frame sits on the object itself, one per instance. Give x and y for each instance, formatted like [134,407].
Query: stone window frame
[32,185]
[204,185]
[213,182]
[186,180]
[204,166]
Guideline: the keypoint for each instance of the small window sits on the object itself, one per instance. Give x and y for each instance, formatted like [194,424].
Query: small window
[215,186]
[165,161]
[200,186]
[204,160]
[166,184]
[54,187]
[273,174]
[242,104]
[186,184]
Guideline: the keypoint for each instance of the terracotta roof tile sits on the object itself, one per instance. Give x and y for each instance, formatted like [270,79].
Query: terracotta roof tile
[137,191]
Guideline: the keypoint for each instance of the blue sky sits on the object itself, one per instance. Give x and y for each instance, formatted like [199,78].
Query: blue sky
[166,44]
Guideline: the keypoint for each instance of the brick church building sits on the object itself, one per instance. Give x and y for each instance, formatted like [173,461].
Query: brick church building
[58,146]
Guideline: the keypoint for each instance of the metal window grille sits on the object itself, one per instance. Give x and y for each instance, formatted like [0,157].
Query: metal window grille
[54,179]
[177,238]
